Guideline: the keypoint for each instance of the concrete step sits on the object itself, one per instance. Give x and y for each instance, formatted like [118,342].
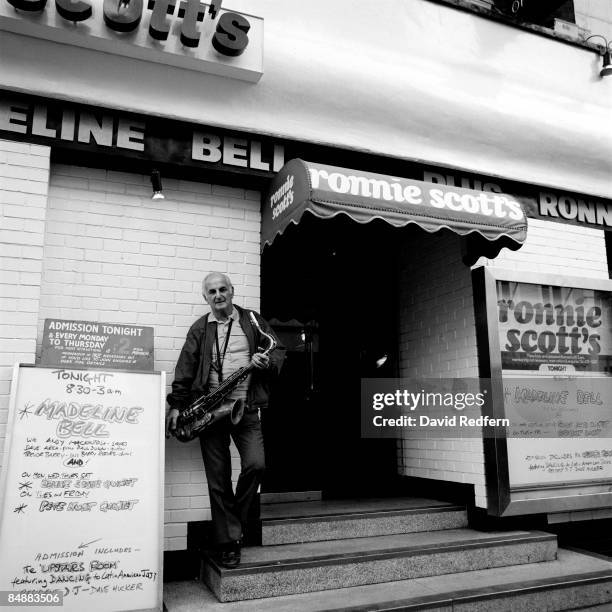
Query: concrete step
[572,582]
[271,571]
[289,496]
[315,521]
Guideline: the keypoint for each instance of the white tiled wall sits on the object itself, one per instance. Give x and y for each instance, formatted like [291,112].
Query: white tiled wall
[438,340]
[24,178]
[555,248]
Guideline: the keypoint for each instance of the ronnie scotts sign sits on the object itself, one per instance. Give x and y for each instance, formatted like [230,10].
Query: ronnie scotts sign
[182,33]
[537,202]
[325,191]
[554,329]
[85,128]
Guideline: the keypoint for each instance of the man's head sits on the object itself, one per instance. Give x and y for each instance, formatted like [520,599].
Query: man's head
[218,292]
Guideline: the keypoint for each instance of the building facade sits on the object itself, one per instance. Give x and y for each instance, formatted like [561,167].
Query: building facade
[431,91]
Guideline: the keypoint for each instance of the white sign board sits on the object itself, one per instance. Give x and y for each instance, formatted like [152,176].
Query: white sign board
[561,429]
[82,488]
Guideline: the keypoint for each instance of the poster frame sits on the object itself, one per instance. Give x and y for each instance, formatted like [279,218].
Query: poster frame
[502,498]
[161,463]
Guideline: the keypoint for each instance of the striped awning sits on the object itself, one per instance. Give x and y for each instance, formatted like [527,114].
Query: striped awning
[491,221]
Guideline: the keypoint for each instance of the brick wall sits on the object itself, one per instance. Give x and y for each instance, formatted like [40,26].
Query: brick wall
[438,340]
[557,248]
[113,254]
[24,178]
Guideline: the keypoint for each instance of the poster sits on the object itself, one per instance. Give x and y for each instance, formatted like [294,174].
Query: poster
[82,488]
[561,429]
[556,354]
[554,329]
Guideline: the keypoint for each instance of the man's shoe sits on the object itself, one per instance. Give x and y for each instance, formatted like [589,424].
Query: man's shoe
[230,558]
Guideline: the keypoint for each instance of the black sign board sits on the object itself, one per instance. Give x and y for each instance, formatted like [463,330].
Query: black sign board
[108,137]
[94,344]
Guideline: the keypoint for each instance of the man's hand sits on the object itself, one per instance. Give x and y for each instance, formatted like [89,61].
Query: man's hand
[260,361]
[171,421]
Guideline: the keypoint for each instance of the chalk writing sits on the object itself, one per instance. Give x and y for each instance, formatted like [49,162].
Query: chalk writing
[83,376]
[68,412]
[83,484]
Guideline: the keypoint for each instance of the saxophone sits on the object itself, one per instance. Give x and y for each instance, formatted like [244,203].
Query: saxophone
[214,406]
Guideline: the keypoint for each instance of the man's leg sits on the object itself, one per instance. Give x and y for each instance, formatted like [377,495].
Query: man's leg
[249,441]
[218,465]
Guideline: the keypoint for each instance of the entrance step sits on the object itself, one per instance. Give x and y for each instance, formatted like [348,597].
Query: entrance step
[572,582]
[290,496]
[272,571]
[315,521]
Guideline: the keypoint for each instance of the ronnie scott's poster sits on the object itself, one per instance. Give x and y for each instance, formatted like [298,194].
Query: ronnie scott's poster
[556,354]
[554,329]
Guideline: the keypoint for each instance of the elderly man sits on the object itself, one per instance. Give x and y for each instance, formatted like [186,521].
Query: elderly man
[217,345]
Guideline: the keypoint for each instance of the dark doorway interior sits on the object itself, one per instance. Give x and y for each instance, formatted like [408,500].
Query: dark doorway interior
[330,289]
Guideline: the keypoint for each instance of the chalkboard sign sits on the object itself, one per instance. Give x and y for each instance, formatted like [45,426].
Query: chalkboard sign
[93,344]
[82,488]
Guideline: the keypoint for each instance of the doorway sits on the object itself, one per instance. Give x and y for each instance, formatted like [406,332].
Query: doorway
[330,289]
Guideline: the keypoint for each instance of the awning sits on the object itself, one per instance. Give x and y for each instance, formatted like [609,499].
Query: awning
[490,220]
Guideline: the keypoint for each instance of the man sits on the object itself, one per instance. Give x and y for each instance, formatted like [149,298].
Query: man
[217,345]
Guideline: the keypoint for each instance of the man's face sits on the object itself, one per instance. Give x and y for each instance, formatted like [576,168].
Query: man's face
[219,294]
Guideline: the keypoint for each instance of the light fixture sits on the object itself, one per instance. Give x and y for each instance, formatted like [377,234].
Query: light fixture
[606,53]
[380,362]
[157,186]
[606,69]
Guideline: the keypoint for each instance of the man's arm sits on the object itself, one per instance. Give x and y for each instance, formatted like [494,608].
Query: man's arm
[184,375]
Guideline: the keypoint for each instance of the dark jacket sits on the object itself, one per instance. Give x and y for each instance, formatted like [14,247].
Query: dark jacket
[193,365]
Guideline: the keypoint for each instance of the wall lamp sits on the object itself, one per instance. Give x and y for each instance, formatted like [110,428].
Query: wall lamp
[157,186]
[606,53]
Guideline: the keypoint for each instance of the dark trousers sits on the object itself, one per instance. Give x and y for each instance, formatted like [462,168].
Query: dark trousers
[230,510]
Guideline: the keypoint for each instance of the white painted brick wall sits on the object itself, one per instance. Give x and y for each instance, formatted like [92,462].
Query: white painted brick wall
[438,340]
[557,248]
[24,179]
[113,254]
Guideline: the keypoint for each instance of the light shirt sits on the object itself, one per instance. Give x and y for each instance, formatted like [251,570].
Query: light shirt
[237,354]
